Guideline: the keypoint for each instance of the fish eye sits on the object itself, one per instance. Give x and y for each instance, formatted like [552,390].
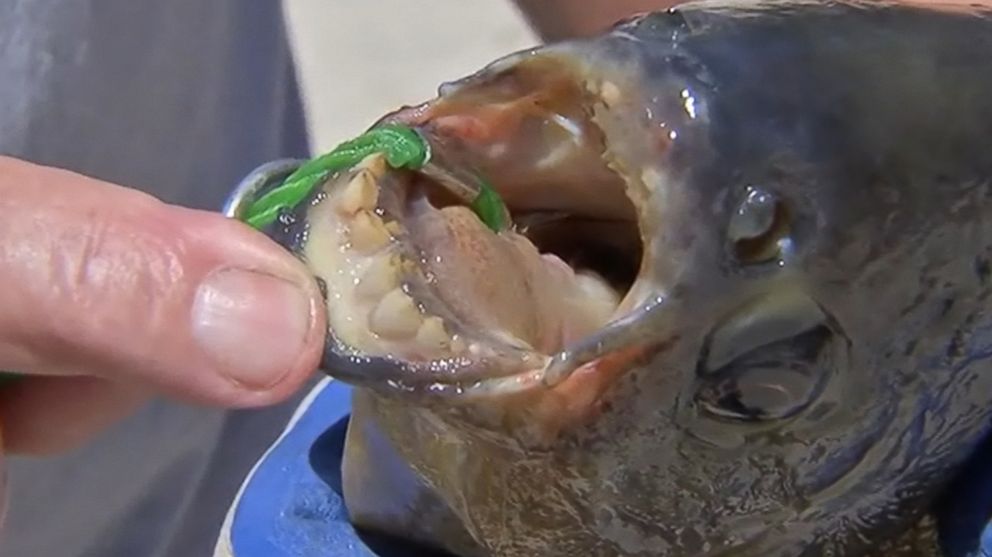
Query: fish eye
[758,227]
[771,382]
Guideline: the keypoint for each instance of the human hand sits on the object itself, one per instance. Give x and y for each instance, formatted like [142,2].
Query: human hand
[109,296]
[557,20]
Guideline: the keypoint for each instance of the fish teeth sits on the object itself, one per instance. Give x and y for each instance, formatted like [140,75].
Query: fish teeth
[432,334]
[367,233]
[597,289]
[394,228]
[396,316]
[376,164]
[610,93]
[361,193]
[380,277]
[594,302]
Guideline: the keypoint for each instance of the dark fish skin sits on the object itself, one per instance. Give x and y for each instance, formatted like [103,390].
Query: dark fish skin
[871,124]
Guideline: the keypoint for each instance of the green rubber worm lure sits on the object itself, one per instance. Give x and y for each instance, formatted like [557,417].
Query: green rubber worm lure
[401,146]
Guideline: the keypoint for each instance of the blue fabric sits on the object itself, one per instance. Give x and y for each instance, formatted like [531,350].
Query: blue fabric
[965,512]
[292,505]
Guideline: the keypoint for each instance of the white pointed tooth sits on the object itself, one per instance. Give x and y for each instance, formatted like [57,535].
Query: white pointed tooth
[457,345]
[361,193]
[610,93]
[394,228]
[375,163]
[432,334]
[597,289]
[367,232]
[396,316]
[381,276]
[596,299]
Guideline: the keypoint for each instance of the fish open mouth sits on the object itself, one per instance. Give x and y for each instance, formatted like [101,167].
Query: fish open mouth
[423,297]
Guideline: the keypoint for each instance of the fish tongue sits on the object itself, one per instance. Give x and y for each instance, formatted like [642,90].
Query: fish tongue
[490,281]
[503,284]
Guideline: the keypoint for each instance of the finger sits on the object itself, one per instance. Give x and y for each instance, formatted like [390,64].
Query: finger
[44,415]
[101,280]
[556,20]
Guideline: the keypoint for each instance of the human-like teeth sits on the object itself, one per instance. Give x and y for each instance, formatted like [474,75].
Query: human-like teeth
[610,93]
[396,316]
[361,193]
[394,228]
[381,276]
[375,163]
[596,288]
[599,298]
[367,232]
[432,335]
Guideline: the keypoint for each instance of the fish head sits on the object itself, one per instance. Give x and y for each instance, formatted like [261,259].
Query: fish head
[686,342]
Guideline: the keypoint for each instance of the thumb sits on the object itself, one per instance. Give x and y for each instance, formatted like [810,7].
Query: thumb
[103,281]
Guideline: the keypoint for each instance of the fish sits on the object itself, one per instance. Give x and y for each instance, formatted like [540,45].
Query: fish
[742,307]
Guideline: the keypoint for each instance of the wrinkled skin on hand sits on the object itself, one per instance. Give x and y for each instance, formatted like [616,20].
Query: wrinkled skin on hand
[776,216]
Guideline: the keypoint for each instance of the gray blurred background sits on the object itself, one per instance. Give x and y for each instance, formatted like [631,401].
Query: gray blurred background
[359,59]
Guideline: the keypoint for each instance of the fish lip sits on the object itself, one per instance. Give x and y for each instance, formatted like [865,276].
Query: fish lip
[629,329]
[395,377]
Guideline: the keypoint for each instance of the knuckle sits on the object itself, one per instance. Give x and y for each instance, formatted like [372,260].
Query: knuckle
[115,270]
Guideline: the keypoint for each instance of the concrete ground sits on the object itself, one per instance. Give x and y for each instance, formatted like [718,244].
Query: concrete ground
[359,59]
